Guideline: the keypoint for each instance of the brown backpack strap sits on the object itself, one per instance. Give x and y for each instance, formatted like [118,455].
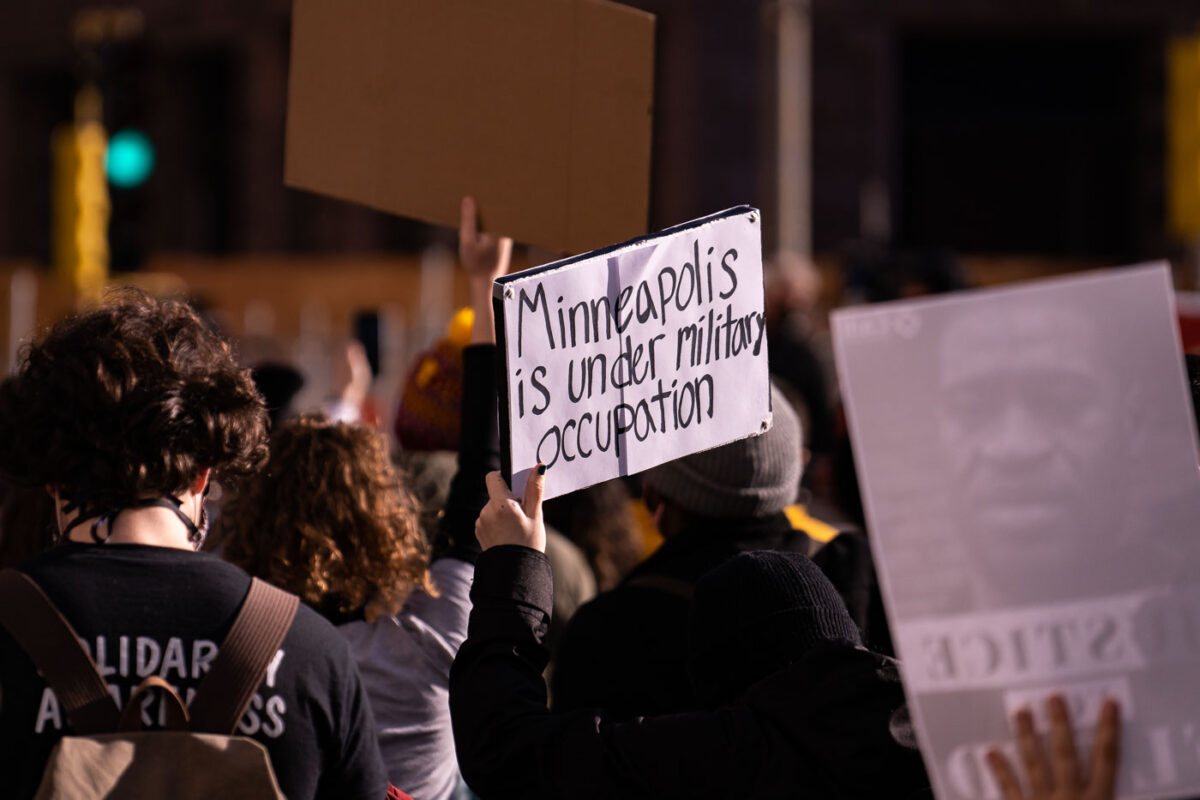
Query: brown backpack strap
[222,697]
[52,644]
[175,714]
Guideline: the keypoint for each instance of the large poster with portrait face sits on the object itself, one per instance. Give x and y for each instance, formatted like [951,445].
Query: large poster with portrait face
[1027,458]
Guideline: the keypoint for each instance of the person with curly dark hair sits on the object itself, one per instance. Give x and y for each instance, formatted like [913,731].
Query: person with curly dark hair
[124,414]
[331,520]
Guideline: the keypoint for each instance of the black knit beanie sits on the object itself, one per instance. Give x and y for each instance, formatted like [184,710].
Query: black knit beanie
[754,615]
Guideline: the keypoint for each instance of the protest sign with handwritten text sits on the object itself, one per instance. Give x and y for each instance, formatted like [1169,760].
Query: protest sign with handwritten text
[624,358]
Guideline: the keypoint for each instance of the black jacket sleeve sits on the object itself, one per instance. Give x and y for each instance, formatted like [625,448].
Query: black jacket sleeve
[478,454]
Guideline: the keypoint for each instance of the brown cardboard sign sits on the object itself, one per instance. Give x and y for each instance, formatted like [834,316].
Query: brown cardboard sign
[541,109]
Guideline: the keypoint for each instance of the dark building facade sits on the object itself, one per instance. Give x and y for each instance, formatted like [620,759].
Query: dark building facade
[1029,126]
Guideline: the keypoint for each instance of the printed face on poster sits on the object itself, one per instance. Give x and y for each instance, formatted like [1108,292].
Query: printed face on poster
[622,359]
[1028,463]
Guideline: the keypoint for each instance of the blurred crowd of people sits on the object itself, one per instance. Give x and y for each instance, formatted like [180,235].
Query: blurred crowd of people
[711,628]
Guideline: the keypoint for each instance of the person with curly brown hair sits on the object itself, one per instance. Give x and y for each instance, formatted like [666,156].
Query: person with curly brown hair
[124,414]
[331,520]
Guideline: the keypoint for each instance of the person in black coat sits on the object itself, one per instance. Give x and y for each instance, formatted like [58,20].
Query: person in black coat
[800,708]
[625,650]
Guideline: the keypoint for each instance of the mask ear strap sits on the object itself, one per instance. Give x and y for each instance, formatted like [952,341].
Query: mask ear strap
[195,534]
[74,504]
[73,524]
[101,520]
[174,504]
[83,514]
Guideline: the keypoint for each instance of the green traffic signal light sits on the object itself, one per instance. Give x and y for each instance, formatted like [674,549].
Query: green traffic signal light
[130,158]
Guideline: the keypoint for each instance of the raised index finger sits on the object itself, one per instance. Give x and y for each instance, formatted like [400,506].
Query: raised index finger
[468,225]
[497,488]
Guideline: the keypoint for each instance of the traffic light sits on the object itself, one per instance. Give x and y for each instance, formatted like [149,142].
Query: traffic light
[130,159]
[97,197]
[118,54]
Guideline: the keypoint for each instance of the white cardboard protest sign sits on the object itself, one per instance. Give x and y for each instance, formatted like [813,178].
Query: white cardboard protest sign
[1027,458]
[618,360]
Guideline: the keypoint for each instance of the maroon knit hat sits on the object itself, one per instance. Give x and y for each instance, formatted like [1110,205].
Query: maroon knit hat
[428,416]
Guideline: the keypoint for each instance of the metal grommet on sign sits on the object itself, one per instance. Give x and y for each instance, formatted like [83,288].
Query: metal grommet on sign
[508,292]
[754,218]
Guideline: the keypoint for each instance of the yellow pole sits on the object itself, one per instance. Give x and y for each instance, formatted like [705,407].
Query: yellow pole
[81,204]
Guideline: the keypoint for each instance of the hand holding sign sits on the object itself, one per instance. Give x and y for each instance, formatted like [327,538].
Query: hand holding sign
[505,521]
[1062,779]
[619,360]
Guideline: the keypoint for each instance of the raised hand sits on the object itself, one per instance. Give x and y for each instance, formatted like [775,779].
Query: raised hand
[1062,778]
[506,521]
[352,374]
[485,257]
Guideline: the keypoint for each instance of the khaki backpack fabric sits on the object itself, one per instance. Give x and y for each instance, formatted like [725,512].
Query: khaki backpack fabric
[109,755]
[159,764]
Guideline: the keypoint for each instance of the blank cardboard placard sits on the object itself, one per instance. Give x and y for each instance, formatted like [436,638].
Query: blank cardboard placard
[541,109]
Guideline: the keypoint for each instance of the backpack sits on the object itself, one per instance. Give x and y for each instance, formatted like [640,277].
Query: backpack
[109,755]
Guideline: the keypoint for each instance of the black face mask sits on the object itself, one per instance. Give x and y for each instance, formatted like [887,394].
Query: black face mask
[196,533]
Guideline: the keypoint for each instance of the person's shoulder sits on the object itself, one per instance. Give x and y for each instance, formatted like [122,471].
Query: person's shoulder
[71,553]
[69,561]
[632,604]
[311,625]
[451,575]
[309,632]
[622,597]
[836,678]
[837,687]
[50,558]
[317,638]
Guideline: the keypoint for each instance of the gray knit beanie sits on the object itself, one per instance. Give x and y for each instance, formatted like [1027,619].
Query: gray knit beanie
[754,615]
[751,477]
